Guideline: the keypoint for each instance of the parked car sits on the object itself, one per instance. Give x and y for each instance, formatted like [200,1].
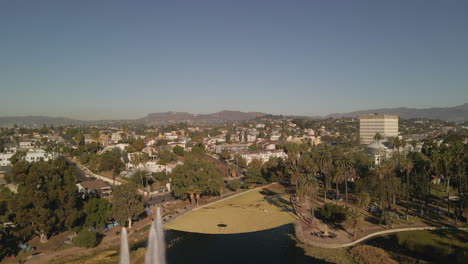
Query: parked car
[334,196]
[374,208]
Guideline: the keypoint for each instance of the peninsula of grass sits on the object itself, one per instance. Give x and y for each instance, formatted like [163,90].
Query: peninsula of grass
[255,210]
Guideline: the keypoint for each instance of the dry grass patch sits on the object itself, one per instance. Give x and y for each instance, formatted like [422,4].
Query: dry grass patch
[370,255]
[331,255]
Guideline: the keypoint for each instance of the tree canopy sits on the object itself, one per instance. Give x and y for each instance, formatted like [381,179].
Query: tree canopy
[98,212]
[47,200]
[126,203]
[196,177]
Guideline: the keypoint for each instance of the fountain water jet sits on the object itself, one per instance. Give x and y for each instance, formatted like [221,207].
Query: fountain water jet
[124,251]
[160,236]
[156,251]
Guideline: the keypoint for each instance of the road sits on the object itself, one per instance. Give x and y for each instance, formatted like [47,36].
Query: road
[88,172]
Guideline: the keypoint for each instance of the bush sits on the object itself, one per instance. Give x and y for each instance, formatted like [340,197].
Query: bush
[333,213]
[161,177]
[388,217]
[245,186]
[364,199]
[87,239]
[178,150]
[234,185]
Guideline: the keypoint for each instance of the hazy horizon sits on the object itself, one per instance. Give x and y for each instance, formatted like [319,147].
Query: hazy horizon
[116,59]
[125,116]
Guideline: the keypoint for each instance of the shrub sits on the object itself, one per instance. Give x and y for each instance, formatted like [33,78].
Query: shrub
[389,218]
[87,239]
[160,176]
[333,213]
[364,199]
[369,255]
[245,186]
[234,185]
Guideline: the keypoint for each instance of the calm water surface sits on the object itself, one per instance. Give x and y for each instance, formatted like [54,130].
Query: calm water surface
[269,246]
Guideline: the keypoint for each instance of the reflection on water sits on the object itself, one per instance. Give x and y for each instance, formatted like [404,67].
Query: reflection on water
[269,246]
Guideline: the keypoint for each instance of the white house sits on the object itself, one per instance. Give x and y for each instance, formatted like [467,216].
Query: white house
[98,187]
[270,146]
[31,156]
[116,137]
[309,131]
[152,166]
[26,144]
[5,159]
[171,136]
[275,137]
[251,138]
[121,146]
[263,156]
[38,155]
[150,143]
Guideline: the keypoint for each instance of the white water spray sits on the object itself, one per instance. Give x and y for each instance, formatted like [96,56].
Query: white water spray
[156,251]
[124,251]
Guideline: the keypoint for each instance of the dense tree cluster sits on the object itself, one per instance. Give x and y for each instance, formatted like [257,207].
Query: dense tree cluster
[196,177]
[111,160]
[47,200]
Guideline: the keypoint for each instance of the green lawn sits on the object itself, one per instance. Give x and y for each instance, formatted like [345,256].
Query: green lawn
[444,246]
[248,212]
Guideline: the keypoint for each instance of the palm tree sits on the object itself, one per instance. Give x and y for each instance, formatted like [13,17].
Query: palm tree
[407,166]
[307,189]
[137,160]
[384,170]
[324,161]
[346,169]
[378,137]
[447,159]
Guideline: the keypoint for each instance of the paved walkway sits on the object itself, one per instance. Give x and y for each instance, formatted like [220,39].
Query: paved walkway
[300,235]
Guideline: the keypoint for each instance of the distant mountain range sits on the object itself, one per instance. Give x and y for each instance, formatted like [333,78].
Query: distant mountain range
[156,119]
[219,117]
[38,121]
[457,114]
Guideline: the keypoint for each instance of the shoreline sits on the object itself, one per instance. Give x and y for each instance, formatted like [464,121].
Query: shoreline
[299,234]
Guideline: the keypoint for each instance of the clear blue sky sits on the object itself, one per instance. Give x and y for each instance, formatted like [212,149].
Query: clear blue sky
[93,59]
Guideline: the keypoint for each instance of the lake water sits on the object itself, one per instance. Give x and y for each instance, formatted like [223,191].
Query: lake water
[269,246]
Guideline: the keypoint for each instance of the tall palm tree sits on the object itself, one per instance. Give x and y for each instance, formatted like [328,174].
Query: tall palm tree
[137,160]
[384,170]
[378,137]
[447,159]
[346,169]
[324,161]
[407,166]
[307,189]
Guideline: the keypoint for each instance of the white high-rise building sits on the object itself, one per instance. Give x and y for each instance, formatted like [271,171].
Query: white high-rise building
[369,125]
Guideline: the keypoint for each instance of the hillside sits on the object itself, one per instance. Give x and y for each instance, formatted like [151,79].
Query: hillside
[219,117]
[37,121]
[456,113]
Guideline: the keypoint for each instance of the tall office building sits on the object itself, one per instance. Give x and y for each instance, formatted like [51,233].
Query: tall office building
[369,125]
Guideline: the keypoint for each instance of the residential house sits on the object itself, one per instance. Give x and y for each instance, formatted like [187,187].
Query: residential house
[232,147]
[99,188]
